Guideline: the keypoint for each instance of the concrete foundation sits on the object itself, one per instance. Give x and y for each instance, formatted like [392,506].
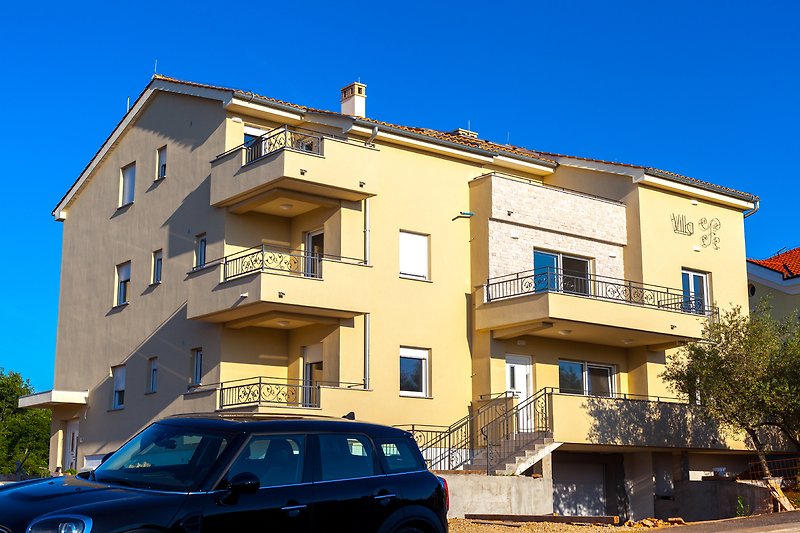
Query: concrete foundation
[481,494]
[714,499]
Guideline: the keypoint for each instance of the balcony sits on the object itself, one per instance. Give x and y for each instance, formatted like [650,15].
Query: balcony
[268,286]
[288,172]
[549,302]
[277,392]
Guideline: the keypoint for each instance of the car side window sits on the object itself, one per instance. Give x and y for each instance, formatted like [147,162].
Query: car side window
[400,455]
[344,456]
[275,459]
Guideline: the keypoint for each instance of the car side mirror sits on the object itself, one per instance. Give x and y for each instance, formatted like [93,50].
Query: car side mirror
[242,483]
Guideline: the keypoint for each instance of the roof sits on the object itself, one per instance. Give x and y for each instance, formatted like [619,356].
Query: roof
[281,424]
[785,263]
[546,158]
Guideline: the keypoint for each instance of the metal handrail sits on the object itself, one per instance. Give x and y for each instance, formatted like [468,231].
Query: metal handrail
[284,260]
[280,139]
[549,279]
[283,391]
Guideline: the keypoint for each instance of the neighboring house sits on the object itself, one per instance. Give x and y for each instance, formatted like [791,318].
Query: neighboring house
[228,252]
[777,277]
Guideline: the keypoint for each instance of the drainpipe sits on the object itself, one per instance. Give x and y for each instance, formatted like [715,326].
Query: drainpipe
[366,350]
[366,231]
[753,211]
[374,134]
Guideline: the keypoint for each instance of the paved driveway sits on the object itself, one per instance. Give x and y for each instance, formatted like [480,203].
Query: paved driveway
[768,523]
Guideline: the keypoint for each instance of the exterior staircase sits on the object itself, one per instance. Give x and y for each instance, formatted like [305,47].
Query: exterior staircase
[518,463]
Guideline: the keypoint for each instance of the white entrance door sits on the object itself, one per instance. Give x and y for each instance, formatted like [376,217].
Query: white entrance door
[519,380]
[312,374]
[71,446]
[315,251]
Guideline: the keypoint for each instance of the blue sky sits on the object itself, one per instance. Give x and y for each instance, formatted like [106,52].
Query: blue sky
[704,88]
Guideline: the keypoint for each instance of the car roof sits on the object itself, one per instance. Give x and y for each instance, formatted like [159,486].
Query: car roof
[283,424]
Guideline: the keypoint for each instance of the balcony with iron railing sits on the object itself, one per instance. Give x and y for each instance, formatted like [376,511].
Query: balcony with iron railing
[590,308]
[261,391]
[291,166]
[270,286]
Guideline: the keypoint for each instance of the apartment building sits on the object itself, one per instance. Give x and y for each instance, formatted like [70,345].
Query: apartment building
[778,279]
[228,252]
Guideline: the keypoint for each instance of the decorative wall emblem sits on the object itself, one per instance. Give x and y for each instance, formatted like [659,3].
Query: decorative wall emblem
[681,225]
[710,229]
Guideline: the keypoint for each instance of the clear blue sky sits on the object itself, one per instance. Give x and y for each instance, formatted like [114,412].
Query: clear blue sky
[704,88]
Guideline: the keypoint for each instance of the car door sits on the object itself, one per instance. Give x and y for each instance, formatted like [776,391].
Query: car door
[283,499]
[351,492]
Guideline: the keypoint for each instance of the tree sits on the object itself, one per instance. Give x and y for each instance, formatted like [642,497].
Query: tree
[744,374]
[24,433]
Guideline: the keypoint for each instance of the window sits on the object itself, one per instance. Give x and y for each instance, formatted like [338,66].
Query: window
[559,272]
[158,260]
[197,366]
[275,459]
[414,372]
[127,184]
[695,292]
[414,255]
[200,251]
[152,374]
[161,163]
[118,378]
[590,379]
[123,282]
[400,455]
[345,457]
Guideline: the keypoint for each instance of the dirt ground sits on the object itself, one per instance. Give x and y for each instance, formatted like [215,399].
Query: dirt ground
[459,525]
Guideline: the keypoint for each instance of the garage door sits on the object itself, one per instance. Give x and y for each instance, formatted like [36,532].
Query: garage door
[579,489]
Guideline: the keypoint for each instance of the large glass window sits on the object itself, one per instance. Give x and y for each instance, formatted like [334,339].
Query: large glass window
[695,292]
[578,377]
[127,184]
[414,371]
[558,272]
[345,457]
[275,459]
[118,380]
[414,255]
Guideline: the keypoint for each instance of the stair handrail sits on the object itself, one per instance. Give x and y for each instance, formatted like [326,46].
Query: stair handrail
[456,445]
[504,433]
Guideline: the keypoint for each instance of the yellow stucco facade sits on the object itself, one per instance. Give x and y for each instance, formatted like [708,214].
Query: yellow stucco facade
[301,305]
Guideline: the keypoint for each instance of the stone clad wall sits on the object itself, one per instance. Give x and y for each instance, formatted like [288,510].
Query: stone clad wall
[527,216]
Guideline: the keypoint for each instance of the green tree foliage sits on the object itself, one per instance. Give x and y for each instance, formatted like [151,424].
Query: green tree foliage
[745,374]
[22,431]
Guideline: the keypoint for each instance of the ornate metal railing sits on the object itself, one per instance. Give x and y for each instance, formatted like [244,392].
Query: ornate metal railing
[550,279]
[267,390]
[279,139]
[281,260]
[453,447]
[517,428]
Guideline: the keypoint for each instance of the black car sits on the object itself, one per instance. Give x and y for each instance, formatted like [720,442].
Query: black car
[212,474]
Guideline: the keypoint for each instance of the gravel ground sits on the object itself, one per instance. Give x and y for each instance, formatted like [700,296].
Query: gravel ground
[459,525]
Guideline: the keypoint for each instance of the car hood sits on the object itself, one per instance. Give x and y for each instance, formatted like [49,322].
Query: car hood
[68,495]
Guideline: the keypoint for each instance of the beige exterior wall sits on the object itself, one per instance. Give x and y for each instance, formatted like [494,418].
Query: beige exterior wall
[258,325]
[784,303]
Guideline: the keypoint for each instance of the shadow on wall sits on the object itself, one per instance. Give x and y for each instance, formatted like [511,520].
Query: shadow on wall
[648,423]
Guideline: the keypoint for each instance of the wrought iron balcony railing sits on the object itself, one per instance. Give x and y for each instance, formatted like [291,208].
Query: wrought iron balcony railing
[279,260]
[276,391]
[548,279]
[279,139]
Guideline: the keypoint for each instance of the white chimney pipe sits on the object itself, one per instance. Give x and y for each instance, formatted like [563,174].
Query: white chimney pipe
[354,100]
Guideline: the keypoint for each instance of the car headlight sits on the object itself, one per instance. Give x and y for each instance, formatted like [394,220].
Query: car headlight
[61,524]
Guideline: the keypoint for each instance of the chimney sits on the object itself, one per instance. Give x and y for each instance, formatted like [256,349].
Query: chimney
[461,132]
[354,100]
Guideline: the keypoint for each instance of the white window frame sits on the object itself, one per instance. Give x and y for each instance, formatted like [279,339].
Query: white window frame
[197,367]
[200,248]
[612,377]
[161,163]
[118,387]
[158,267]
[127,184]
[410,266]
[706,286]
[123,283]
[152,375]
[424,355]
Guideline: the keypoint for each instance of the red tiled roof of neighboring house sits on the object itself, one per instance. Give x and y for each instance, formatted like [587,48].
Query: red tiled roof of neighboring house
[785,263]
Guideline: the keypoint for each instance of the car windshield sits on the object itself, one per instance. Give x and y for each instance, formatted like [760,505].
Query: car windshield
[164,457]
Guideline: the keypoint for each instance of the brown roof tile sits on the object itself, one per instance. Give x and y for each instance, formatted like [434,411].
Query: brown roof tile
[785,263]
